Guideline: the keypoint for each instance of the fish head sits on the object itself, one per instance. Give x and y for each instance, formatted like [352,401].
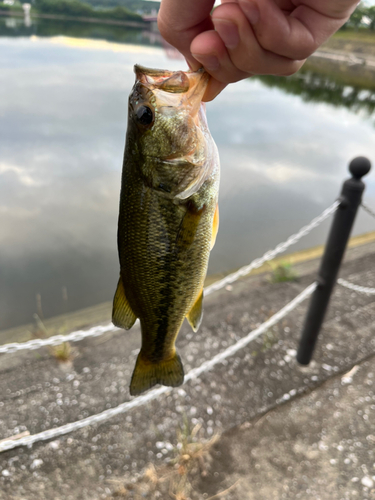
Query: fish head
[166,114]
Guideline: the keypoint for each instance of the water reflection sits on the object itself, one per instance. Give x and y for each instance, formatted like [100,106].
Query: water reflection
[62,128]
[16,27]
[315,87]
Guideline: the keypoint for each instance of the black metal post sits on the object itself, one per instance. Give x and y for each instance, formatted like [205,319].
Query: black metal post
[350,199]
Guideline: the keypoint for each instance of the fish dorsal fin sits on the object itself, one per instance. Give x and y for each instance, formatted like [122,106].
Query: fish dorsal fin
[122,314]
[215,226]
[196,312]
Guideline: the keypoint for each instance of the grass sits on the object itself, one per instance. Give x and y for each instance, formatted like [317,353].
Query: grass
[361,35]
[283,272]
[63,353]
[270,338]
[361,42]
[175,480]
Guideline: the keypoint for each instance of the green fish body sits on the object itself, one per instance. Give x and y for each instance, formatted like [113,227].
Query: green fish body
[168,218]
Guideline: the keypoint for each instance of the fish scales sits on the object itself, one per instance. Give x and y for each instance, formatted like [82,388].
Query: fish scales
[167,221]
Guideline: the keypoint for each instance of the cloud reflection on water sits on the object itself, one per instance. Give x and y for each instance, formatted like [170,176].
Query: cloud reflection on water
[62,129]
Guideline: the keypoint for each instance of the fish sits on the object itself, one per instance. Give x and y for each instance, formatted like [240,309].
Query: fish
[168,218]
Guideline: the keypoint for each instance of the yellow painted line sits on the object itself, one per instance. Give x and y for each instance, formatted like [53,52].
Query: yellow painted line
[361,239]
[86,43]
[102,312]
[299,257]
[313,253]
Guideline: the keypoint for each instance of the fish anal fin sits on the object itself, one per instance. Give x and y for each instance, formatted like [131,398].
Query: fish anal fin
[147,374]
[122,314]
[196,312]
[215,226]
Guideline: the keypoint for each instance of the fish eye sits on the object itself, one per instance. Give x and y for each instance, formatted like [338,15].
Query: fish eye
[144,115]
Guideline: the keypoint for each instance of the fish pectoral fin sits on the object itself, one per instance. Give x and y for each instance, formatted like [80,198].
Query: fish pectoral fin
[122,314]
[147,374]
[196,313]
[189,225]
[215,226]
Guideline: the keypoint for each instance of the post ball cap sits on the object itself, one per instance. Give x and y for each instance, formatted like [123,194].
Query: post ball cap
[359,167]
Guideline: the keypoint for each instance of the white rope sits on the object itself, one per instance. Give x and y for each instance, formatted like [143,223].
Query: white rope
[368,209]
[356,288]
[95,331]
[281,247]
[207,365]
[155,393]
[99,330]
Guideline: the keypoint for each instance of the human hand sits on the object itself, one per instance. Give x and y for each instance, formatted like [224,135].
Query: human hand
[241,38]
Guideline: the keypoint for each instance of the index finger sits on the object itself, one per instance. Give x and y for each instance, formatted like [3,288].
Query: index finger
[180,21]
[182,15]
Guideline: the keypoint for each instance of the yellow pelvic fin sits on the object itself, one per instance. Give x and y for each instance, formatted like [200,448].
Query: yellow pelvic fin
[215,226]
[196,313]
[122,314]
[147,374]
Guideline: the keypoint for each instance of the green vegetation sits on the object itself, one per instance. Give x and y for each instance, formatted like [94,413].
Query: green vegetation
[362,17]
[133,5]
[270,338]
[17,6]
[318,82]
[359,42]
[75,8]
[283,272]
[63,353]
[361,35]
[63,26]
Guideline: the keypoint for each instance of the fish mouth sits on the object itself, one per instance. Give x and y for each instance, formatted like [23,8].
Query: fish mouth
[174,88]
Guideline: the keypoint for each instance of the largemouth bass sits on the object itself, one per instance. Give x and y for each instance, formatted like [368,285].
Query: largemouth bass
[168,218]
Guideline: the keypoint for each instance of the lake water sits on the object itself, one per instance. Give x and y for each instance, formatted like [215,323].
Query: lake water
[284,148]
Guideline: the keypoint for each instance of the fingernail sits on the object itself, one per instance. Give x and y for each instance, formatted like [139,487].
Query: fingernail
[250,10]
[193,65]
[228,32]
[211,63]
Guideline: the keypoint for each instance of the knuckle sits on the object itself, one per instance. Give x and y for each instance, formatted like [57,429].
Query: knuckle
[294,49]
[250,67]
[291,68]
[303,53]
[169,32]
[163,28]
[243,62]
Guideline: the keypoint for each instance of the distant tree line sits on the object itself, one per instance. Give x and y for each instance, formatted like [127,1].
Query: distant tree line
[315,87]
[362,17]
[75,8]
[10,8]
[133,5]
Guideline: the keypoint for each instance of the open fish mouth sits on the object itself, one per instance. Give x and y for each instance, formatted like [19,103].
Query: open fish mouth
[174,87]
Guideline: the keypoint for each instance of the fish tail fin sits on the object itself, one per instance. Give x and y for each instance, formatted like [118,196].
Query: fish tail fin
[147,374]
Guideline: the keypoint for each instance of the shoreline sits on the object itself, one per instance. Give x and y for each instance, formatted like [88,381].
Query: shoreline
[129,24]
[303,262]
